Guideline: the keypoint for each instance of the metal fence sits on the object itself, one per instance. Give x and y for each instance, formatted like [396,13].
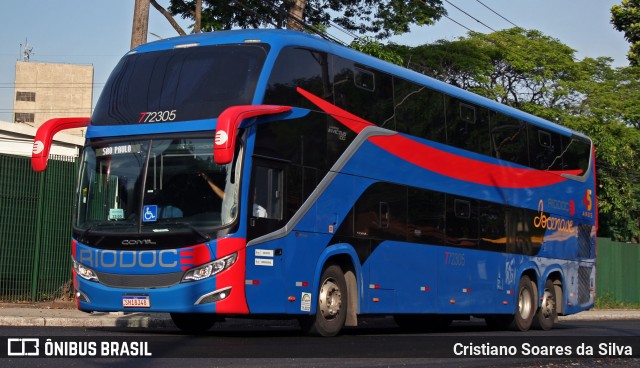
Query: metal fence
[618,271]
[35,228]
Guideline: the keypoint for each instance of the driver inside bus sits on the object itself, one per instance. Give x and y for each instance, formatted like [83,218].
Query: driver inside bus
[216,189]
[258,210]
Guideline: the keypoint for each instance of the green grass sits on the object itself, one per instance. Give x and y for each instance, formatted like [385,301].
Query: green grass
[607,301]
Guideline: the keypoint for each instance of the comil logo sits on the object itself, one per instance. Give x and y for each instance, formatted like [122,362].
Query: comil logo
[23,347]
[221,137]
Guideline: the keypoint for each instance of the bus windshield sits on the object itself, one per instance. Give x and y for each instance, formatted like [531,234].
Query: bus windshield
[180,84]
[177,179]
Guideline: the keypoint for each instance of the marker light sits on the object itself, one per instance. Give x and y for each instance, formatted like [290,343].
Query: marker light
[186,45]
[210,269]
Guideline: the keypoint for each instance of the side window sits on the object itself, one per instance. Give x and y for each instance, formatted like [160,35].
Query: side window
[381,212]
[461,222]
[467,126]
[545,149]
[267,201]
[492,227]
[364,79]
[522,236]
[576,154]
[301,141]
[419,111]
[365,92]
[426,216]
[296,67]
[266,210]
[509,139]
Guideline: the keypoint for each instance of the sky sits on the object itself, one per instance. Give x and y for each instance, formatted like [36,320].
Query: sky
[98,32]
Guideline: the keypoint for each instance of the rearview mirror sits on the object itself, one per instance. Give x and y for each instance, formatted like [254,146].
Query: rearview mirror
[227,127]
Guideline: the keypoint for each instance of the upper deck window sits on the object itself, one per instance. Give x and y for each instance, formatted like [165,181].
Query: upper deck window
[180,84]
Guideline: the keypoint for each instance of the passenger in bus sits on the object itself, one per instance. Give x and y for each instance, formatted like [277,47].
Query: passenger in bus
[258,210]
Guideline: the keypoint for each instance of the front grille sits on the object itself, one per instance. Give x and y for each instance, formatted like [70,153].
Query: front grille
[140,281]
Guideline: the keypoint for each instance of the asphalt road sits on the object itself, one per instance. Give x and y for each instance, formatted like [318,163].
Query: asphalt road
[376,343]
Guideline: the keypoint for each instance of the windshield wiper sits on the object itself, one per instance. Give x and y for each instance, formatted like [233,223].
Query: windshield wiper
[194,229]
[93,227]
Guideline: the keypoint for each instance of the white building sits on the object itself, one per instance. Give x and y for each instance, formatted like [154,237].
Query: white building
[17,139]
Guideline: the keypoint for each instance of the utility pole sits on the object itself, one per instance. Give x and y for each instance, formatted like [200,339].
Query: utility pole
[140,23]
[296,13]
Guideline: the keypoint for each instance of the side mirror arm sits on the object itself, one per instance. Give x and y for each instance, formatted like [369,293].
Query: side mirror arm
[44,138]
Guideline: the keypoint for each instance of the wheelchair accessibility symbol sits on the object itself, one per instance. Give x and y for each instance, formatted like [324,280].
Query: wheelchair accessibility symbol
[150,213]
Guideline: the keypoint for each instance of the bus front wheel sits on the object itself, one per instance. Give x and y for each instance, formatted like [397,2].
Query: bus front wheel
[331,309]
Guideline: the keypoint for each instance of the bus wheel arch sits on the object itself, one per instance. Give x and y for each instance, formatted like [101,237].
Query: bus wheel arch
[338,283]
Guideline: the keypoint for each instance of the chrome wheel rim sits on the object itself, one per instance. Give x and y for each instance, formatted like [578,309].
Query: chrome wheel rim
[330,299]
[524,303]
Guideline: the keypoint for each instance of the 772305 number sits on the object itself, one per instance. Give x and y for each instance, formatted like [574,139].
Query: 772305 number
[157,116]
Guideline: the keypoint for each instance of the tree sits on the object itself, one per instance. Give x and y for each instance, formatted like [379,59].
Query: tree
[516,67]
[379,19]
[626,18]
[377,49]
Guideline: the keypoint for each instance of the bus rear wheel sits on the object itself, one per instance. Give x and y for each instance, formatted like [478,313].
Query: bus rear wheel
[194,322]
[527,305]
[547,313]
[331,309]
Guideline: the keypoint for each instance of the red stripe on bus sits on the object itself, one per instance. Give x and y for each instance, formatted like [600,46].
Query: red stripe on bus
[442,162]
[467,169]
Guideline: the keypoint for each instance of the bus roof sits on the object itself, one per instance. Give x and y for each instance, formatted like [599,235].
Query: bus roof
[278,39]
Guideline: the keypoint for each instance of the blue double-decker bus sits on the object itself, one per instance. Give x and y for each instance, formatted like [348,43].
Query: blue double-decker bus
[272,173]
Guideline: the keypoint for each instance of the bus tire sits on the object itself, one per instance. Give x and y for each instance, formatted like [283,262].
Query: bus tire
[194,322]
[331,308]
[547,313]
[527,305]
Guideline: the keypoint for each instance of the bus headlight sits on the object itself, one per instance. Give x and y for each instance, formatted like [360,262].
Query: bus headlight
[210,269]
[84,272]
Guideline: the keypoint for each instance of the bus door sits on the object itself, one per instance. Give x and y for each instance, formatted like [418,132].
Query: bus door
[266,214]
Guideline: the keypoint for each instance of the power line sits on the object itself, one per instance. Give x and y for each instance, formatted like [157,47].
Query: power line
[498,14]
[458,23]
[469,15]
[508,49]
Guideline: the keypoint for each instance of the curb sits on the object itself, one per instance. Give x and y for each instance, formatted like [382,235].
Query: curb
[40,317]
[92,320]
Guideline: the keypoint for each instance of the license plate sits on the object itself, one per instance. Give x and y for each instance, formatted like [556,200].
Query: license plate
[136,301]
